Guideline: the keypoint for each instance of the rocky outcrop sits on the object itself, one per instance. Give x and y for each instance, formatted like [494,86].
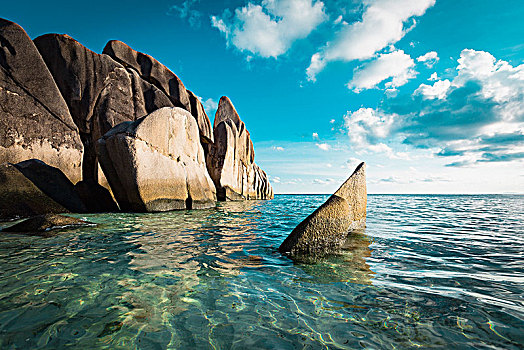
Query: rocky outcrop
[32,188]
[327,228]
[34,119]
[231,159]
[95,197]
[42,225]
[99,91]
[150,170]
[159,75]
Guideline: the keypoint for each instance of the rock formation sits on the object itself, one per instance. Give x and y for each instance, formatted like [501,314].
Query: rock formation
[159,75]
[99,91]
[150,170]
[32,188]
[41,225]
[231,159]
[328,227]
[95,197]
[58,99]
[34,119]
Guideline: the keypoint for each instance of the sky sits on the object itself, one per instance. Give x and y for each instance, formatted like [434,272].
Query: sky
[429,93]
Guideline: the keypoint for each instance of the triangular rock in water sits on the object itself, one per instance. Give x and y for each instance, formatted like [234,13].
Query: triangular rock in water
[327,228]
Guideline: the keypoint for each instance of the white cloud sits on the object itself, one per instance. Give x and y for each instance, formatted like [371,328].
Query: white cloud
[210,105]
[475,117]
[383,23]
[270,28]
[187,12]
[429,59]
[323,182]
[433,76]
[395,65]
[328,165]
[438,90]
[332,121]
[367,124]
[276,180]
[278,148]
[315,136]
[323,146]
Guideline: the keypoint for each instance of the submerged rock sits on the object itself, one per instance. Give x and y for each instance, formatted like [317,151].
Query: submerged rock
[159,75]
[327,228]
[99,91]
[157,163]
[34,119]
[231,159]
[41,225]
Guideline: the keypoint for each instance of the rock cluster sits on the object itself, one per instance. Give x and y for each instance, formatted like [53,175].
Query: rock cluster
[119,120]
[327,228]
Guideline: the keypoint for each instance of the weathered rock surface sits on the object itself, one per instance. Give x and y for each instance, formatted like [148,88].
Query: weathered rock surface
[99,91]
[34,119]
[41,225]
[327,228]
[231,159]
[20,197]
[95,197]
[150,170]
[159,75]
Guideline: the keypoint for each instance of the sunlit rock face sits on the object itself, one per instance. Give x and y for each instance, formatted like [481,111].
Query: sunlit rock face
[34,119]
[327,228]
[164,79]
[157,163]
[231,159]
[100,93]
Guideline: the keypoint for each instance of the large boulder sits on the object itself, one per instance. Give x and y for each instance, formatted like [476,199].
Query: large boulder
[328,227]
[157,163]
[99,91]
[34,119]
[231,159]
[159,75]
[32,188]
[95,197]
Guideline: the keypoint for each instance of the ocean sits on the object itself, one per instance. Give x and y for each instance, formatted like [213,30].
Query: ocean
[439,271]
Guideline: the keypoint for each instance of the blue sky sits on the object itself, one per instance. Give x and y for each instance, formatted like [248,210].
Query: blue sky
[430,93]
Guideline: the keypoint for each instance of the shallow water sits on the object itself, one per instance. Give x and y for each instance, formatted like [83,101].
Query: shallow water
[428,271]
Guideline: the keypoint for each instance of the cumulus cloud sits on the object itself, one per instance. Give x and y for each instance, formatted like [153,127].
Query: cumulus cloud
[476,117]
[429,59]
[315,136]
[323,146]
[384,22]
[397,66]
[269,29]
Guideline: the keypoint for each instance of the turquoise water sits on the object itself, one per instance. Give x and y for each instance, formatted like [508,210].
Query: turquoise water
[428,271]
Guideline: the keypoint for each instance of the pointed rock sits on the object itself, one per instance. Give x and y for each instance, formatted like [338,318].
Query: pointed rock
[231,159]
[99,91]
[34,119]
[157,163]
[159,75]
[327,228]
